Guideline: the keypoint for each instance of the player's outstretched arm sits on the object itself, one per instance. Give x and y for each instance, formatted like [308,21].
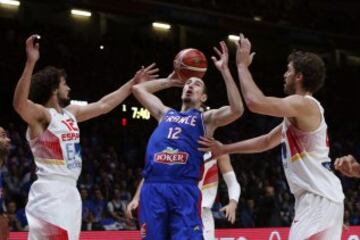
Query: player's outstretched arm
[348,166]
[135,201]
[29,111]
[144,93]
[112,100]
[233,186]
[255,100]
[226,114]
[252,145]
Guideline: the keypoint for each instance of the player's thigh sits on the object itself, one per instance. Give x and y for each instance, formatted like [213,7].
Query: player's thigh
[185,217]
[154,223]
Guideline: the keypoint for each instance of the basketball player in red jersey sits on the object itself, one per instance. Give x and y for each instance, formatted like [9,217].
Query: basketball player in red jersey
[303,138]
[54,206]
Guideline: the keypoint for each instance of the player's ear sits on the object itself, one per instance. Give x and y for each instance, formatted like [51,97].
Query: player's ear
[299,76]
[204,97]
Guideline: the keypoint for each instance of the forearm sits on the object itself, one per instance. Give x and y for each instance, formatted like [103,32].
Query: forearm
[234,189]
[254,145]
[138,190]
[113,99]
[22,89]
[154,86]
[233,93]
[249,89]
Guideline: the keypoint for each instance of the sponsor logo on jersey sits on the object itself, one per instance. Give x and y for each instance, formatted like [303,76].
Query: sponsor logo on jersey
[171,156]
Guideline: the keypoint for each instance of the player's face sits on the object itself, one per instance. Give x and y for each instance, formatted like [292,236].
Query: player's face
[193,91]
[4,142]
[289,79]
[63,93]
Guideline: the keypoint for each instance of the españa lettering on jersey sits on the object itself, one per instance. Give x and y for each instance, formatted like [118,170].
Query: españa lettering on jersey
[172,148]
[57,150]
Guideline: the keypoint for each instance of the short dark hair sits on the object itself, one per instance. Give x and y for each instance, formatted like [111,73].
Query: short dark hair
[44,82]
[311,66]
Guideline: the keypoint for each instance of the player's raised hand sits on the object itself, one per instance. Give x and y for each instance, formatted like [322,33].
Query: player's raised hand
[175,80]
[32,48]
[244,56]
[212,145]
[133,205]
[348,166]
[222,61]
[146,73]
[230,211]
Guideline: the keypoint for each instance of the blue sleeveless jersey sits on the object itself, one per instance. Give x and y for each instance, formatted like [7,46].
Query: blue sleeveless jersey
[172,153]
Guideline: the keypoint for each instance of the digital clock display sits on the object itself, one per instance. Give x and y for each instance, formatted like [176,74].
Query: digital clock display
[137,112]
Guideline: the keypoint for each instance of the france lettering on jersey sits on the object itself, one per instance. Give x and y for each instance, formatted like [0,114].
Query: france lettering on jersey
[172,148]
[306,161]
[57,150]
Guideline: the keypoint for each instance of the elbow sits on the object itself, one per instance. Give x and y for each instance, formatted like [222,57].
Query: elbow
[135,89]
[238,112]
[253,103]
[17,105]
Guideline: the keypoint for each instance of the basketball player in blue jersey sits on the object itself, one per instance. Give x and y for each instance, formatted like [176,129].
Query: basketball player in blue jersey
[4,150]
[170,198]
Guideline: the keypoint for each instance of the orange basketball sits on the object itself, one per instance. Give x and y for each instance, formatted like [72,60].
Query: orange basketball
[190,62]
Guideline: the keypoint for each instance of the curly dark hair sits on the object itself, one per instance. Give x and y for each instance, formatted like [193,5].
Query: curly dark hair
[44,82]
[311,66]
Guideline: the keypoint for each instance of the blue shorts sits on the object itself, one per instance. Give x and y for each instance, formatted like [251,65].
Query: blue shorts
[170,211]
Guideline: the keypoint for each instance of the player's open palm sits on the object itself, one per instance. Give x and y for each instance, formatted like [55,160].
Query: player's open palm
[230,211]
[133,205]
[32,48]
[243,51]
[212,145]
[146,73]
[222,60]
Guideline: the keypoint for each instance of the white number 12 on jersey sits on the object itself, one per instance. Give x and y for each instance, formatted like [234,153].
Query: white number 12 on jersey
[174,133]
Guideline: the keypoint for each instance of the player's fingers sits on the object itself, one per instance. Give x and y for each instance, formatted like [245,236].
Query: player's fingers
[213,58]
[252,56]
[233,218]
[223,46]
[204,149]
[128,212]
[204,143]
[154,76]
[150,66]
[206,139]
[217,51]
[152,71]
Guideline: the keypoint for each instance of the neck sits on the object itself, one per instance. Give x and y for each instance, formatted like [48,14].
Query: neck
[302,92]
[54,103]
[187,106]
